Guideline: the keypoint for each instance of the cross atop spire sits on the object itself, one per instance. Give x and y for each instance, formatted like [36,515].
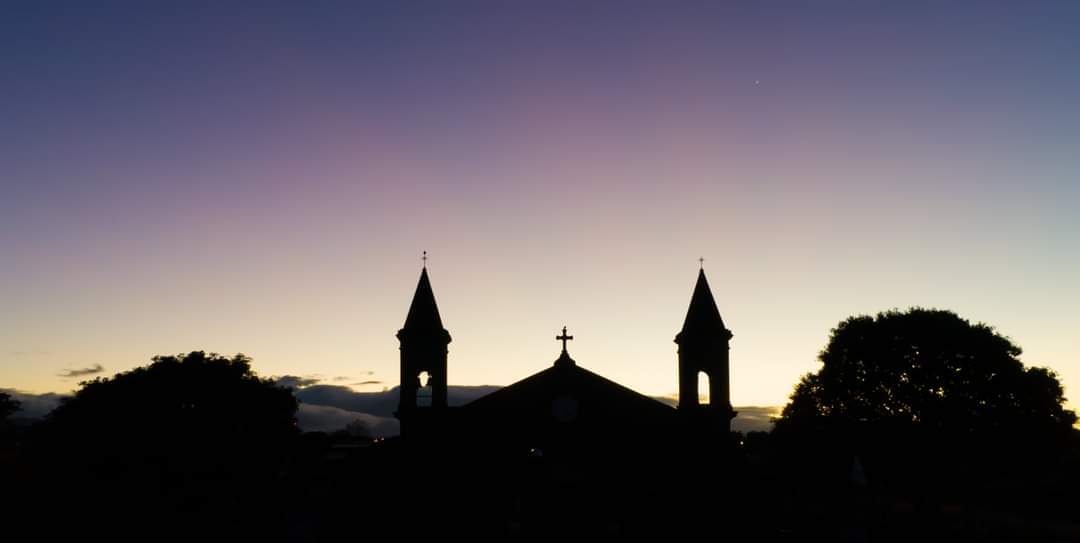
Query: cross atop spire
[424,258]
[564,338]
[702,261]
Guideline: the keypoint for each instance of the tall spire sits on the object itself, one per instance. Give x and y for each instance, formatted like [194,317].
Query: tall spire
[423,350]
[423,313]
[703,348]
[702,316]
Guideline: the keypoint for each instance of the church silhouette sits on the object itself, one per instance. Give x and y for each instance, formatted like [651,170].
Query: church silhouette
[565,400]
[565,451]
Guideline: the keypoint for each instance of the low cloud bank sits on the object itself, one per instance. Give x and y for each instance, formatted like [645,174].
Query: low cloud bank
[747,419]
[324,418]
[33,406]
[381,406]
[328,408]
[754,418]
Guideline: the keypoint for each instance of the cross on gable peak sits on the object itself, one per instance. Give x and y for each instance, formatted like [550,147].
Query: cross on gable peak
[564,338]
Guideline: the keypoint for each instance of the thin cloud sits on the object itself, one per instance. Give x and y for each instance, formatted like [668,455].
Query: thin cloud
[365,383]
[82,372]
[295,381]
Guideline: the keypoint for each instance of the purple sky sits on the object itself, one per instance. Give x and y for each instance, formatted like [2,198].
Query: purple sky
[262,178]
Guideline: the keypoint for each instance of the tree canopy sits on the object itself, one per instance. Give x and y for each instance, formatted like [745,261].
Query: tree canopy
[927,368]
[188,399]
[194,442]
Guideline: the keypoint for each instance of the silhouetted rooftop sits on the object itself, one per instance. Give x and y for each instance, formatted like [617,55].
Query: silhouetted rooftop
[703,317]
[594,398]
[423,313]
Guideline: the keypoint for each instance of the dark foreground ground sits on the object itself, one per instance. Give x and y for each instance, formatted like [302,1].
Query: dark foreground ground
[338,487]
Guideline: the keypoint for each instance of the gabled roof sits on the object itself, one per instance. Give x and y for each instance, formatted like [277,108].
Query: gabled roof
[594,398]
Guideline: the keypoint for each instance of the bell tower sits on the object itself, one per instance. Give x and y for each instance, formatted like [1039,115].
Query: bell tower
[423,359]
[703,349]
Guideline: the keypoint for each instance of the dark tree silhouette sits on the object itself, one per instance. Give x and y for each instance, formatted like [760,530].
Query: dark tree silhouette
[928,368]
[194,441]
[8,405]
[923,407]
[187,400]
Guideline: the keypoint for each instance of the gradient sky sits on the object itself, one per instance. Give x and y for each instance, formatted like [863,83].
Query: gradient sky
[262,178]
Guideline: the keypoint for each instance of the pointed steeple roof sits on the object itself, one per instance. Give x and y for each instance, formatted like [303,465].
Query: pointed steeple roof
[423,313]
[703,317]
